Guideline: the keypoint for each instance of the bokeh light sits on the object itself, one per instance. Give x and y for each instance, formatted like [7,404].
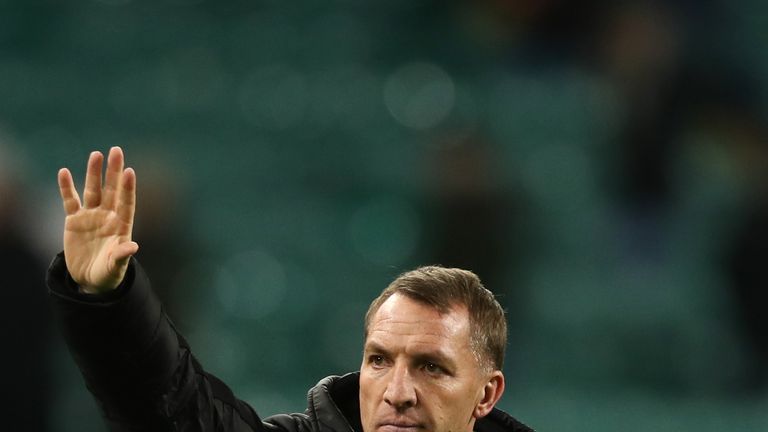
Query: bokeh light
[601,164]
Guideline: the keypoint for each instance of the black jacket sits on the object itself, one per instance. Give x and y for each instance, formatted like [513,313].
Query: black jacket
[144,377]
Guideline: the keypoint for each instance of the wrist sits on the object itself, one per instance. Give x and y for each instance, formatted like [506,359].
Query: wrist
[100,289]
[84,289]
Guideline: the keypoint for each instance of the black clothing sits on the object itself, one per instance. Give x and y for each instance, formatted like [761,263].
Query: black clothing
[144,377]
[25,334]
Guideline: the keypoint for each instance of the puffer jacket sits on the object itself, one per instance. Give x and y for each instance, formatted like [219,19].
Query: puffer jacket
[144,377]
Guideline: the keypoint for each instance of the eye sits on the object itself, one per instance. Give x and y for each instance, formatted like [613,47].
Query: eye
[433,368]
[376,360]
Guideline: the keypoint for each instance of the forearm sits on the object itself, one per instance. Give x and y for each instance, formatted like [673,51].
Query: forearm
[125,347]
[138,367]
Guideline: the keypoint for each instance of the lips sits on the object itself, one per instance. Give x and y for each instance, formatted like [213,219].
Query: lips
[399,425]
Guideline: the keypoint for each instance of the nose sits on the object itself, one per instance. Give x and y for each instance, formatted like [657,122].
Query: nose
[400,392]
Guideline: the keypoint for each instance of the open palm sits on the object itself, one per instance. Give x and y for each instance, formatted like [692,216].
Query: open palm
[97,231]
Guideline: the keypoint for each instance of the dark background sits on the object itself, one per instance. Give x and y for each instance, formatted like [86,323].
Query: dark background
[601,165]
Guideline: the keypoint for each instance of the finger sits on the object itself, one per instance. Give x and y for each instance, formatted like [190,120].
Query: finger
[69,196]
[92,193]
[124,251]
[126,206]
[112,180]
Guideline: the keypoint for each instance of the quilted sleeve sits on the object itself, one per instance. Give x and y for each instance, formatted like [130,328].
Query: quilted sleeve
[138,367]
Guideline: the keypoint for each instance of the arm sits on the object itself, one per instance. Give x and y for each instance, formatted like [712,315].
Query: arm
[134,362]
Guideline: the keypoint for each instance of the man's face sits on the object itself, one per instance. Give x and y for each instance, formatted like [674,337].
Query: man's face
[419,373]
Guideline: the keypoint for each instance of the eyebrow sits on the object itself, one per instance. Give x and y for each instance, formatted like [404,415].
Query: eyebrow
[374,347]
[436,356]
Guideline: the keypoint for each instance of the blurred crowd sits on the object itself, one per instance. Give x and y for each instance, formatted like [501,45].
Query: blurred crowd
[635,260]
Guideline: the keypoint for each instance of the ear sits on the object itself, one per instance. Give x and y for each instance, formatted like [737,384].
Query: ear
[490,394]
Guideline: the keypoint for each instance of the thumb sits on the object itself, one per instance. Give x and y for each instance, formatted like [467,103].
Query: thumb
[124,251]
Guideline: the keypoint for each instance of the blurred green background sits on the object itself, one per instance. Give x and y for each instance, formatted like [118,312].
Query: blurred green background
[601,165]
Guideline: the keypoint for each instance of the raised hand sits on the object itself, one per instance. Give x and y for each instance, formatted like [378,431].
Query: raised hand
[97,232]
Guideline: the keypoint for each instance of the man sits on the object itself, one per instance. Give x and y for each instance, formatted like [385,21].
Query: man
[433,350]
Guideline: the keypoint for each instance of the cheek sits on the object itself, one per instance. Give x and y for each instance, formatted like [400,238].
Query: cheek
[458,402]
[367,396]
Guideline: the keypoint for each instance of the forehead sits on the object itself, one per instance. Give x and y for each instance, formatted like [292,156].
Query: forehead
[403,321]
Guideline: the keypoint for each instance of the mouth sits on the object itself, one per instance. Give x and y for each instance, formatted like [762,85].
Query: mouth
[399,426]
